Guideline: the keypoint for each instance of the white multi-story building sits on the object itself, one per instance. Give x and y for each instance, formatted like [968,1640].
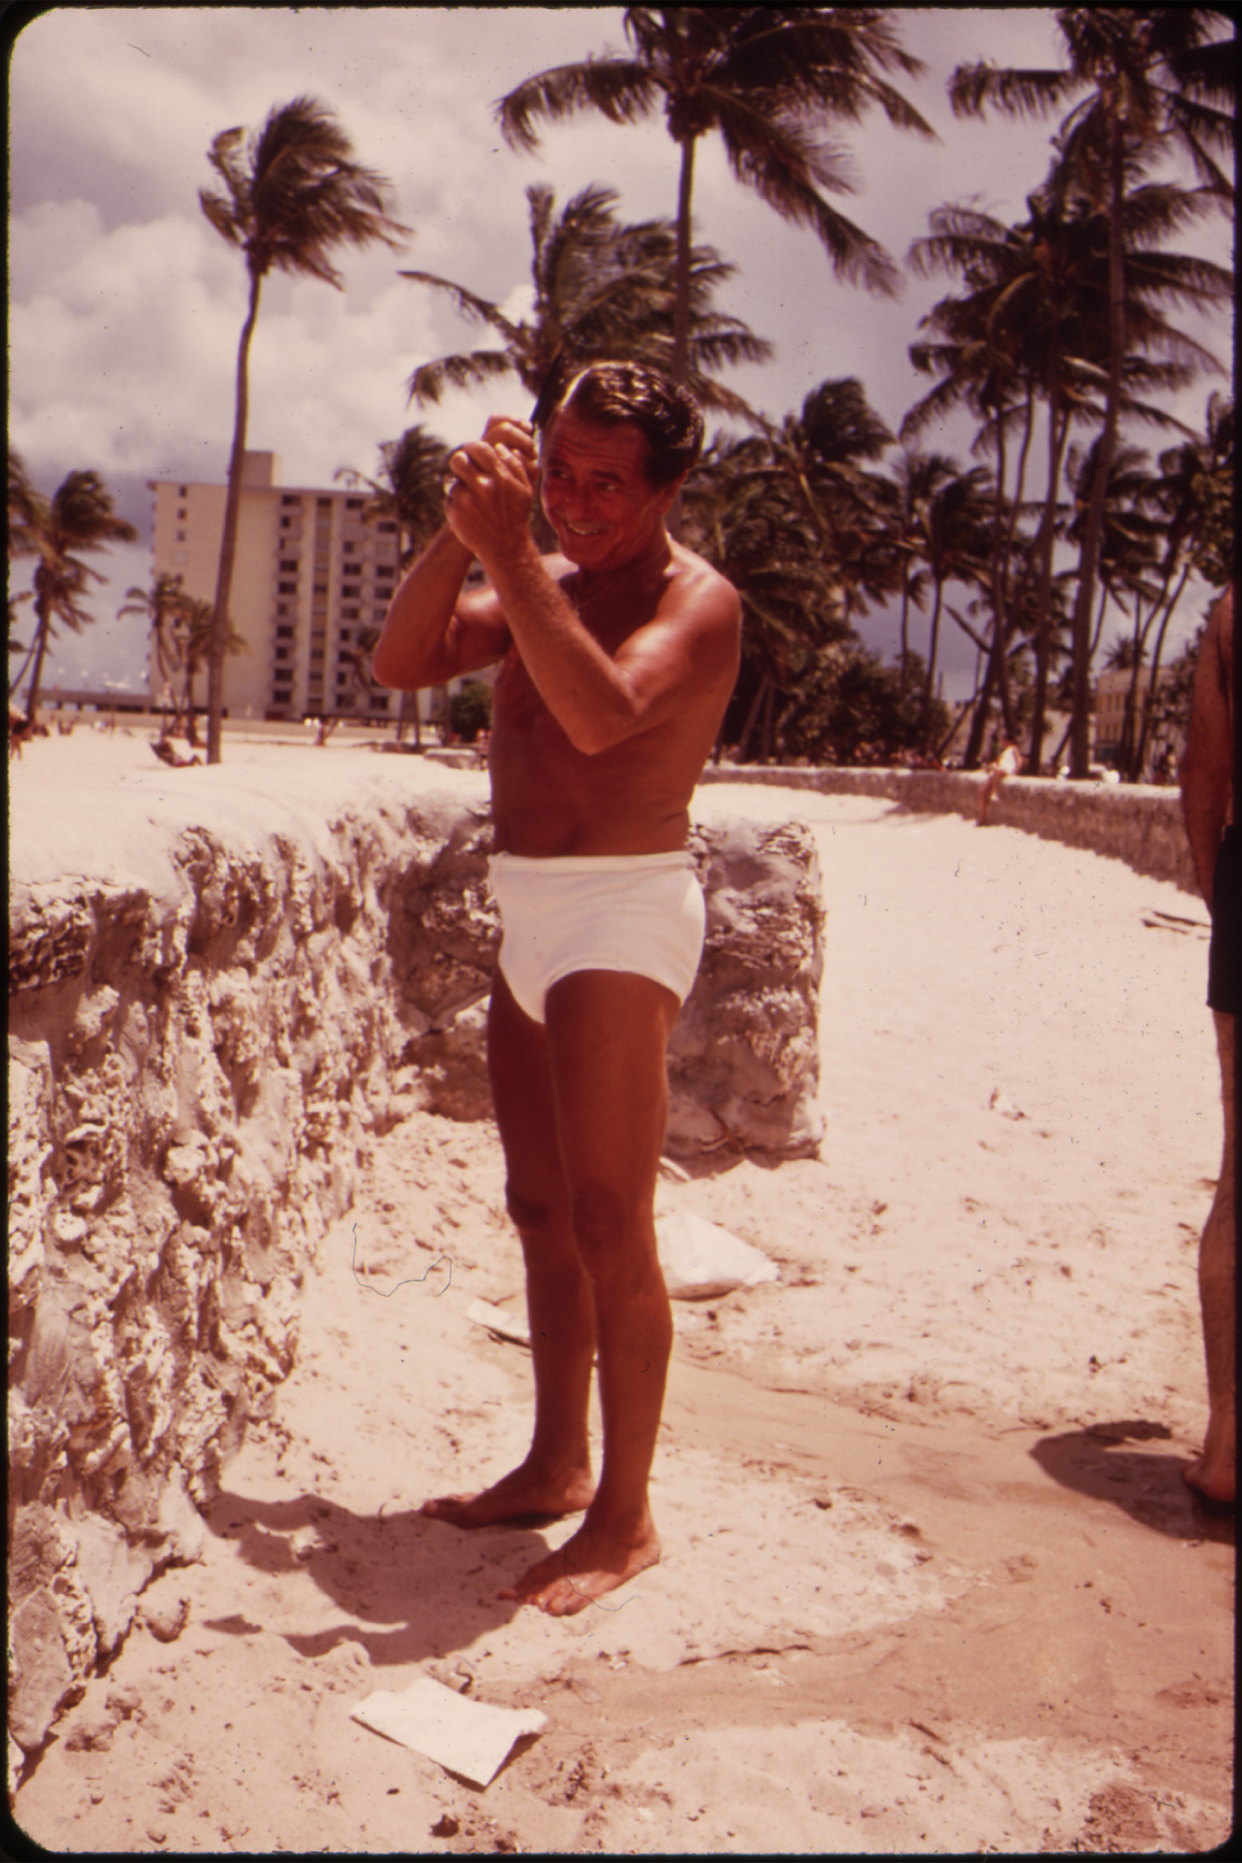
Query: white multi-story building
[1112,688]
[309,579]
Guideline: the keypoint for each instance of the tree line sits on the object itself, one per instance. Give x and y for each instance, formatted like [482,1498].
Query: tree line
[1060,324]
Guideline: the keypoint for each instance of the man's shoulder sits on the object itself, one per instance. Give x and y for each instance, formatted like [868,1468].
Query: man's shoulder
[704,588]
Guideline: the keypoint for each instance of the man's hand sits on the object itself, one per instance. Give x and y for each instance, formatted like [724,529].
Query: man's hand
[491,488]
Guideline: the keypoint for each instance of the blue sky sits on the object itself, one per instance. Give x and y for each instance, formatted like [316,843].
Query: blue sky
[125,306]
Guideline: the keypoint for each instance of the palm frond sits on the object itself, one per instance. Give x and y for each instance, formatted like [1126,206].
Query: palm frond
[621,89]
[472,307]
[468,371]
[973,87]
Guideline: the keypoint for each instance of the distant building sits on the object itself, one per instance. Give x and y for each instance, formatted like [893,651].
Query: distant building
[310,577]
[1111,689]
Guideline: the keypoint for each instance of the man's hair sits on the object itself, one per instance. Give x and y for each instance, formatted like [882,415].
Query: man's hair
[667,415]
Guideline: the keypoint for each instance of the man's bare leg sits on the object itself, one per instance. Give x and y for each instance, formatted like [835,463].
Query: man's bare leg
[1214,1473]
[555,1477]
[607,1036]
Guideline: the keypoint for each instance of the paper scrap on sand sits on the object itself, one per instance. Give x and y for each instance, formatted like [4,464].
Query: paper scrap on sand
[504,1325]
[471,1738]
[700,1259]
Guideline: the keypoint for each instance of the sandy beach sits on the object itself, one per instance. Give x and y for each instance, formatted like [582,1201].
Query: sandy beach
[932,1580]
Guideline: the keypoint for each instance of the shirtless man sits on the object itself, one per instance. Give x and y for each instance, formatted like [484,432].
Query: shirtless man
[1216,845]
[618,656]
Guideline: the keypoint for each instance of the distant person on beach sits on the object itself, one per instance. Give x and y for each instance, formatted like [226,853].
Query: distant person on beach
[618,655]
[1216,845]
[1007,762]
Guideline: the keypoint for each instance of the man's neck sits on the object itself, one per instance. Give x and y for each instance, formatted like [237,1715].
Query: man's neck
[653,559]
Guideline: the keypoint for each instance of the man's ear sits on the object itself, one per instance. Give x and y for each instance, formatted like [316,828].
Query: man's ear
[668,493]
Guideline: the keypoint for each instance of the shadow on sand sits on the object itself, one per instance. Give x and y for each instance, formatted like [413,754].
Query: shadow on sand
[427,1587]
[1148,1486]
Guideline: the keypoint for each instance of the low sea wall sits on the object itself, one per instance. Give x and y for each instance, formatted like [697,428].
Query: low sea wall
[1138,823]
[226,985]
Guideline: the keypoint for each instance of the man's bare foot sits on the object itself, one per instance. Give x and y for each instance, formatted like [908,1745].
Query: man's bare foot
[524,1491]
[1212,1479]
[584,1569]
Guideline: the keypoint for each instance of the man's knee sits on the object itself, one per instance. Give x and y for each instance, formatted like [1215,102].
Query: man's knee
[613,1231]
[535,1214]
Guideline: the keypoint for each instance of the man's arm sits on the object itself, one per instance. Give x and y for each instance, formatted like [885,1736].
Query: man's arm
[432,632]
[598,699]
[1207,774]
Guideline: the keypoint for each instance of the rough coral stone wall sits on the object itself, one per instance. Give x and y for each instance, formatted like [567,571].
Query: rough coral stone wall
[744,1055]
[202,1052]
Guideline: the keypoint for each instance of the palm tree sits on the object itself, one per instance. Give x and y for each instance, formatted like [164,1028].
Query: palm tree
[818,454]
[289,197]
[410,493]
[22,508]
[195,630]
[1152,79]
[916,477]
[602,291]
[1037,298]
[764,78]
[754,526]
[162,605]
[79,516]
[956,547]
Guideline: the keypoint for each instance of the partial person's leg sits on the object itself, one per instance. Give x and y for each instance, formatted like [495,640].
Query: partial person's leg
[556,1476]
[607,1036]
[1214,1472]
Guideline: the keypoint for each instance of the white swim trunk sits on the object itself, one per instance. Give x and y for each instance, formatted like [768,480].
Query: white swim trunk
[641,913]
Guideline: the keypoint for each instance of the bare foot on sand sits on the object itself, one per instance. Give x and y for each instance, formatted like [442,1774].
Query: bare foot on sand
[524,1491]
[595,1561]
[1213,1477]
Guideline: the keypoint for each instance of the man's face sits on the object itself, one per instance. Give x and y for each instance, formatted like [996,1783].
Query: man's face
[596,493]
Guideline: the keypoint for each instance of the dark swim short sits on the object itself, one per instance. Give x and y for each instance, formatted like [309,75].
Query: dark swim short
[1225,950]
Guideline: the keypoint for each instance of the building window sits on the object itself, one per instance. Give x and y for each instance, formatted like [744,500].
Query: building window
[349,549]
[284,653]
[353,504]
[386,525]
[350,590]
[349,614]
[323,504]
[180,536]
[284,633]
[183,491]
[287,588]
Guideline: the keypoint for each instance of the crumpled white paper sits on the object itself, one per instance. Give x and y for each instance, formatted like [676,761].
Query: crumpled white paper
[699,1259]
[496,1320]
[472,1738]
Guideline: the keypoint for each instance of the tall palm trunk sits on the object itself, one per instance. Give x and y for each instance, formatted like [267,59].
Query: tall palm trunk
[905,628]
[228,545]
[1044,549]
[1080,734]
[681,298]
[929,683]
[1153,676]
[43,632]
